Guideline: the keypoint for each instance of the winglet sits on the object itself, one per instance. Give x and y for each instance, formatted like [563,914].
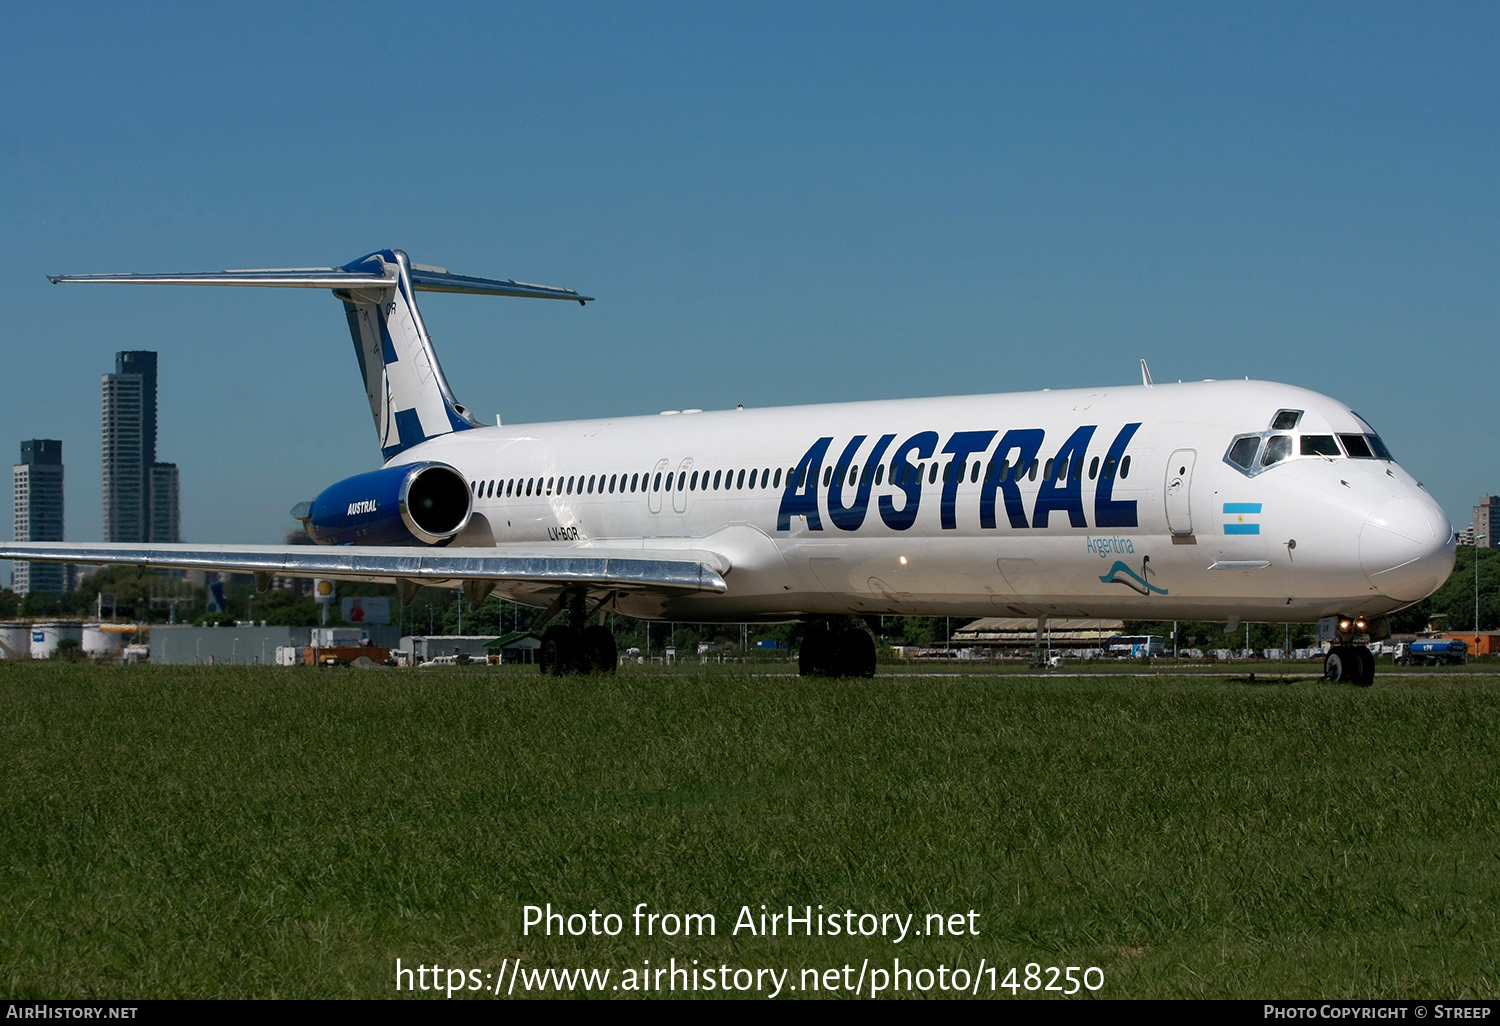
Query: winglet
[1146,375]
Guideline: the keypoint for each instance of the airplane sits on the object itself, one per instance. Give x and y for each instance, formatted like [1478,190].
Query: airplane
[1215,500]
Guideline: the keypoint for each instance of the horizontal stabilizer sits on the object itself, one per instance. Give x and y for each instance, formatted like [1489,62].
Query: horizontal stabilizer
[436,281]
[428,280]
[410,399]
[285,278]
[624,569]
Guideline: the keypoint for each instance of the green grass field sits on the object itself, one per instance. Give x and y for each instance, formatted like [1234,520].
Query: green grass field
[195,831]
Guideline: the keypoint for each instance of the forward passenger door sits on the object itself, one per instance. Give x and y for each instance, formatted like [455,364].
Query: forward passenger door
[1179,488]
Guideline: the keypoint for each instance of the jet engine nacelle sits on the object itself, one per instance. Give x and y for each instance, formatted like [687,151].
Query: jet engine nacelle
[418,503]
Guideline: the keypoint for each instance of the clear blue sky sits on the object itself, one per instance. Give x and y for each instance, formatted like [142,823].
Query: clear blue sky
[773,204]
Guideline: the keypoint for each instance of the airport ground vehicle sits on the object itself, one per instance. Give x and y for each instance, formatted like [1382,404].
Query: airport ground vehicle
[1432,652]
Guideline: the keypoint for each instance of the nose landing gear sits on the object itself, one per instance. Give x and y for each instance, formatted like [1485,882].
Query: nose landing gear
[1350,664]
[1349,659]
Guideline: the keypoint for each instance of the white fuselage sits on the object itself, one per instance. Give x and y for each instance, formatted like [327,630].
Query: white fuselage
[1178,532]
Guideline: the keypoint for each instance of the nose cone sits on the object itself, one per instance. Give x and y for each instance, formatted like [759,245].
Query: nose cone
[1407,548]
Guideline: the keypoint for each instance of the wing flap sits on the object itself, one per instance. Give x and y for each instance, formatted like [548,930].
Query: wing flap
[676,571]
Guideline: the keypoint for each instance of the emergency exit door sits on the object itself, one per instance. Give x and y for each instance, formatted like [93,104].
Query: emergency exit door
[653,486]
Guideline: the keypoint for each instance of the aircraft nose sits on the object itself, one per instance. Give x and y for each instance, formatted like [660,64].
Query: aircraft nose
[1407,548]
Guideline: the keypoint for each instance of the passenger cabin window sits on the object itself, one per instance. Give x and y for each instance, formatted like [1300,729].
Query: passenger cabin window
[1094,468]
[1125,467]
[1319,445]
[1357,447]
[1285,420]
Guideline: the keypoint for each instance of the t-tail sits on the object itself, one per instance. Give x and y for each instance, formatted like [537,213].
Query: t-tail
[410,399]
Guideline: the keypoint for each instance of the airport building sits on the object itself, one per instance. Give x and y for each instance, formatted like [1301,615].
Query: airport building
[1017,636]
[141,502]
[38,480]
[250,644]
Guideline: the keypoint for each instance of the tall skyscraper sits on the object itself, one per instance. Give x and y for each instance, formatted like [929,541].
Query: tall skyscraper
[1486,520]
[140,494]
[162,515]
[39,512]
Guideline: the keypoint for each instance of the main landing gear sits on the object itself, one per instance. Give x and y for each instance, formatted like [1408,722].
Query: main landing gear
[589,649]
[1349,659]
[830,650]
[578,647]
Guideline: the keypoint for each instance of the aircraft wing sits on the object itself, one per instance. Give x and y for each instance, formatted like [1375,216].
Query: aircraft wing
[618,568]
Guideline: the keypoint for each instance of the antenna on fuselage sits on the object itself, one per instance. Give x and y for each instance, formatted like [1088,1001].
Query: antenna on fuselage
[1146,375]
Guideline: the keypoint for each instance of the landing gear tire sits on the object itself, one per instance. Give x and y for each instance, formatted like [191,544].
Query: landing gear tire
[1350,664]
[856,653]
[817,656]
[1336,664]
[826,652]
[561,648]
[599,652]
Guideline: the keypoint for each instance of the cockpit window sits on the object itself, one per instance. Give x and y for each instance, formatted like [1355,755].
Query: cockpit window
[1242,451]
[1320,445]
[1272,447]
[1278,448]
